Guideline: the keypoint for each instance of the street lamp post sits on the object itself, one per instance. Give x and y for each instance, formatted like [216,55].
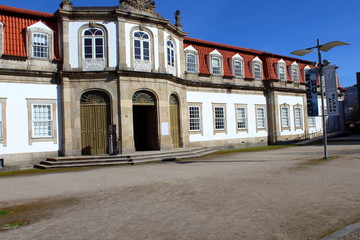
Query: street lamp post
[325,47]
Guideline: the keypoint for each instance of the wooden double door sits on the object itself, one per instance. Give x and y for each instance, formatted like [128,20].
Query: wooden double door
[94,129]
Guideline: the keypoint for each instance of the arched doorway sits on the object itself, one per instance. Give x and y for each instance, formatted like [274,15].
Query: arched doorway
[174,121]
[145,121]
[95,119]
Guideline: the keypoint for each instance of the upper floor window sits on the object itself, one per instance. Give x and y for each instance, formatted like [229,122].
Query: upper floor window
[216,65]
[191,63]
[93,43]
[170,53]
[238,68]
[257,68]
[191,59]
[141,46]
[282,73]
[40,45]
[39,41]
[1,38]
[295,72]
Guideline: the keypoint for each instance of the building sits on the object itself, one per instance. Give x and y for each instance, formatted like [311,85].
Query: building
[67,79]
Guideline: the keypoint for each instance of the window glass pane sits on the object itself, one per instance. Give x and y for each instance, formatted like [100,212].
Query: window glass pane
[42,122]
[216,66]
[285,117]
[219,118]
[282,73]
[260,117]
[40,45]
[191,62]
[194,118]
[241,118]
[257,71]
[238,69]
[295,74]
[298,117]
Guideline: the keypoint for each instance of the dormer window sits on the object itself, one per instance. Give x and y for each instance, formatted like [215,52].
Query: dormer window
[295,72]
[191,55]
[40,45]
[191,63]
[281,70]
[257,68]
[237,63]
[216,65]
[1,38]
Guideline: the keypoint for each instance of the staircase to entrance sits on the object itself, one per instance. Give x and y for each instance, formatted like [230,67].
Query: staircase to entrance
[123,159]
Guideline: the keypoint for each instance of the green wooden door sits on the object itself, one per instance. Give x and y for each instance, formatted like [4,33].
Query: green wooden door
[94,129]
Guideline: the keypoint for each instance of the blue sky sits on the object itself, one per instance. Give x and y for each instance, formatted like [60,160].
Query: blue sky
[278,26]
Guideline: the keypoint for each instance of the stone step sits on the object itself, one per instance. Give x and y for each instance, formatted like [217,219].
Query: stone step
[135,158]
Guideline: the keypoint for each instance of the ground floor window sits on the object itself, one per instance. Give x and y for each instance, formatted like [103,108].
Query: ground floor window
[194,118]
[260,118]
[42,120]
[3,121]
[298,117]
[241,118]
[219,118]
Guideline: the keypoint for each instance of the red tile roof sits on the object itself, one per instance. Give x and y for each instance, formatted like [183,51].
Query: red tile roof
[16,21]
[227,51]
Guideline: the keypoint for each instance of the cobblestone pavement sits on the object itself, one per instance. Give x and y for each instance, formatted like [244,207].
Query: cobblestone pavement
[281,194]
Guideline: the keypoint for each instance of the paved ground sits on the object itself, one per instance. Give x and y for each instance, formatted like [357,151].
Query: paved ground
[282,194]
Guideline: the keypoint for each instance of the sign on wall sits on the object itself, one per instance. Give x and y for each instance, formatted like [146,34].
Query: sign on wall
[331,90]
[311,93]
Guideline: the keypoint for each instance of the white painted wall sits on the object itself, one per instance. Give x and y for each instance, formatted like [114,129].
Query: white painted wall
[74,42]
[178,52]
[207,98]
[291,100]
[17,116]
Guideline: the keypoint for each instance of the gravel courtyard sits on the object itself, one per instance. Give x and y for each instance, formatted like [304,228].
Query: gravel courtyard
[287,194]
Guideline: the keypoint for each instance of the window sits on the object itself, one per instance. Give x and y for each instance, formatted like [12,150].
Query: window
[298,117]
[257,71]
[170,53]
[40,45]
[219,118]
[94,43]
[3,121]
[282,73]
[142,46]
[42,120]
[1,38]
[295,73]
[311,121]
[194,118]
[238,68]
[216,65]
[260,118]
[285,117]
[191,63]
[241,118]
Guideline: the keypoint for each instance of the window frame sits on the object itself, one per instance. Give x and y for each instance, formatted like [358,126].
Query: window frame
[216,118]
[300,117]
[217,67]
[93,38]
[199,109]
[3,135]
[295,77]
[236,70]
[42,30]
[31,102]
[285,119]
[143,56]
[282,72]
[170,53]
[257,62]
[37,48]
[313,120]
[244,118]
[257,117]
[194,64]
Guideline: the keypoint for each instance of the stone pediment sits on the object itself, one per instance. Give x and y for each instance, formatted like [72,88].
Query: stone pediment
[143,7]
